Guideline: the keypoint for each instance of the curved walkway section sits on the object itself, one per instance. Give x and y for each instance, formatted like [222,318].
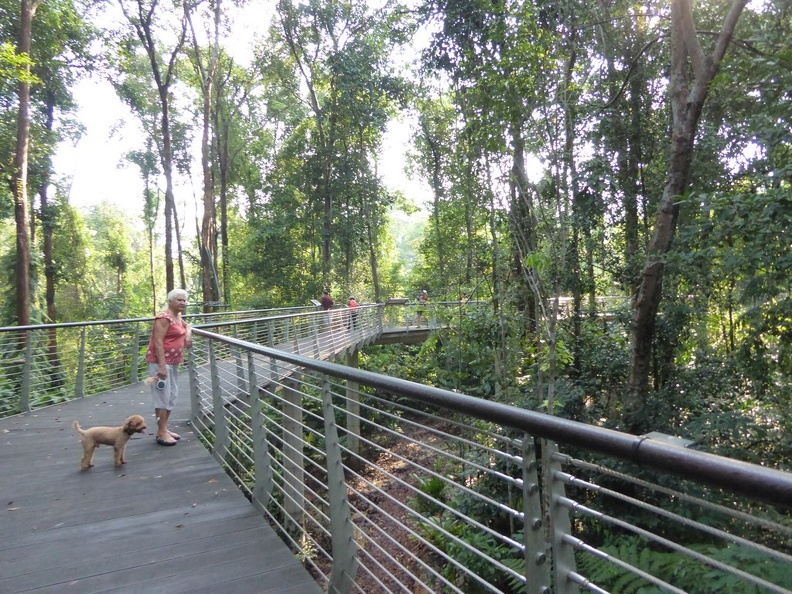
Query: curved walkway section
[170,520]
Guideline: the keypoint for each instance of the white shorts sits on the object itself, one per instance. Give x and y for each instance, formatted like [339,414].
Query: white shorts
[165,398]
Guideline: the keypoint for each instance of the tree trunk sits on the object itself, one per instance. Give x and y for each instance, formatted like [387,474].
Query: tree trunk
[19,174]
[687,101]
[47,226]
[523,223]
[206,74]
[170,202]
[142,22]
[221,132]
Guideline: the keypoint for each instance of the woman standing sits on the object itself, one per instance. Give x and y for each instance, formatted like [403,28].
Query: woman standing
[169,337]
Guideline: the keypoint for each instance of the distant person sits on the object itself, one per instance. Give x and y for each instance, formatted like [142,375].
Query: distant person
[420,314]
[353,305]
[326,301]
[170,335]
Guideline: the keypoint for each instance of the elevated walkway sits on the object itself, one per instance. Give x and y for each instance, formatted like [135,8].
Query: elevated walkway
[335,461]
[170,520]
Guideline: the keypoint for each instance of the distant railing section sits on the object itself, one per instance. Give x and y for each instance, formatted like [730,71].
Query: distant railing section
[49,363]
[402,313]
[384,485]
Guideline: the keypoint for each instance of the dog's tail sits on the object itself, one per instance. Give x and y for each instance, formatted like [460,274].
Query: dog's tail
[76,427]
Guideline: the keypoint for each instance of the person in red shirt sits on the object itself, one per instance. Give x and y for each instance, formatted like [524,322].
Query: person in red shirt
[354,313]
[170,335]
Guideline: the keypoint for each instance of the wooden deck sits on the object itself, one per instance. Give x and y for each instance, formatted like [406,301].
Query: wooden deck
[169,521]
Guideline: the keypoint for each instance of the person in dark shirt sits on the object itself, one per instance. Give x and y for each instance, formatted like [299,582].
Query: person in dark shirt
[326,301]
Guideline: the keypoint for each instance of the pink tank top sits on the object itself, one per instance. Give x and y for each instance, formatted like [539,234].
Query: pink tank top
[173,341]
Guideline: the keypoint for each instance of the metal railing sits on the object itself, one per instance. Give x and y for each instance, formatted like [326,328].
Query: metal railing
[47,364]
[384,485]
[50,363]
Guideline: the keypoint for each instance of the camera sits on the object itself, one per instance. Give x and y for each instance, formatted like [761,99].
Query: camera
[161,384]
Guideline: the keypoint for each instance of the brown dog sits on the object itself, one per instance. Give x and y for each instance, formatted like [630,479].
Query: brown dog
[113,436]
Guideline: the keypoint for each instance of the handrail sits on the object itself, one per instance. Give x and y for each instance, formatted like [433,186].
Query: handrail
[758,482]
[321,449]
[382,484]
[45,364]
[237,314]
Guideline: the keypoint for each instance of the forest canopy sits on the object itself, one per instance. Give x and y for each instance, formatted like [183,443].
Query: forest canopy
[612,177]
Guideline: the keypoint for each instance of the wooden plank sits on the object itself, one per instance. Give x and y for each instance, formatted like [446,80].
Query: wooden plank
[170,520]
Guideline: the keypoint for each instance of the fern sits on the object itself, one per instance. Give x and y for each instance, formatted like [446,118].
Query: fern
[680,570]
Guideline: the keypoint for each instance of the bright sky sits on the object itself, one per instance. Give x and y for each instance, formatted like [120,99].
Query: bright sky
[99,172]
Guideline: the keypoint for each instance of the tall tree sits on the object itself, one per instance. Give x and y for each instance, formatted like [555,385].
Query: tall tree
[147,19]
[691,73]
[205,62]
[19,172]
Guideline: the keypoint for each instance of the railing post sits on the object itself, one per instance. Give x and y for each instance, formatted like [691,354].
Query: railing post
[135,356]
[270,334]
[195,389]
[240,370]
[79,382]
[293,322]
[293,470]
[353,413]
[537,565]
[563,554]
[263,485]
[27,369]
[273,367]
[316,329]
[342,576]
[218,408]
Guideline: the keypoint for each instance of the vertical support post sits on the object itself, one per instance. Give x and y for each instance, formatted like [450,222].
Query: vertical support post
[316,331]
[293,322]
[196,410]
[273,367]
[27,370]
[537,566]
[345,562]
[293,448]
[220,424]
[270,334]
[353,413]
[333,317]
[262,488]
[560,526]
[135,356]
[240,369]
[79,382]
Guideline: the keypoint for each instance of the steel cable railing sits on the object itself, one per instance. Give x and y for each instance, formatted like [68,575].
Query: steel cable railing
[389,486]
[47,364]
[385,485]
